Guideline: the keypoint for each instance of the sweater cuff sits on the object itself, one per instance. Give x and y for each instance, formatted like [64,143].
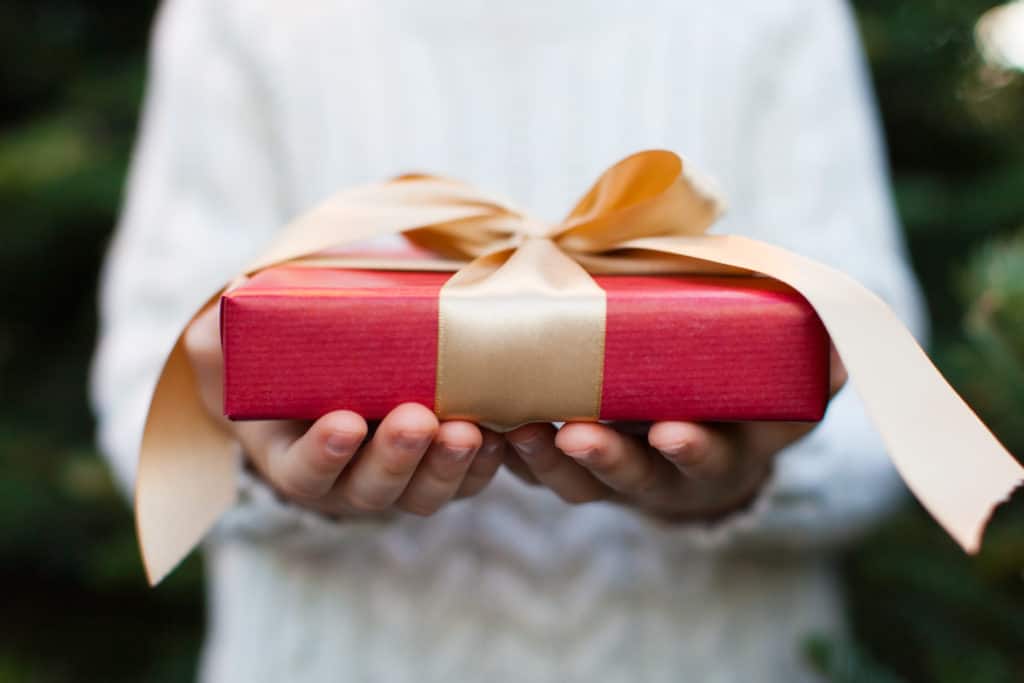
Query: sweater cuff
[261,515]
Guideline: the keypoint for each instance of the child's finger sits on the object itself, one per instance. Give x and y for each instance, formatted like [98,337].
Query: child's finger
[484,466]
[515,465]
[387,462]
[304,468]
[837,374]
[535,445]
[622,462]
[442,469]
[696,450]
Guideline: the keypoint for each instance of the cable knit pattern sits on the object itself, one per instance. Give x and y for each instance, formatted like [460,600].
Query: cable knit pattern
[256,109]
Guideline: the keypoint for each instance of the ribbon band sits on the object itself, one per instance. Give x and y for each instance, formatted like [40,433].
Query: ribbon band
[521,339]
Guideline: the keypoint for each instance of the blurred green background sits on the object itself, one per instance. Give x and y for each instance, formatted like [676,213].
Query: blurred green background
[72,74]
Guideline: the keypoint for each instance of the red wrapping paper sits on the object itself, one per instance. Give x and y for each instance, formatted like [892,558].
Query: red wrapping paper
[300,342]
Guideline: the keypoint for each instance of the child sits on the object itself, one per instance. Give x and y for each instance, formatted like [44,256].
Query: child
[432,552]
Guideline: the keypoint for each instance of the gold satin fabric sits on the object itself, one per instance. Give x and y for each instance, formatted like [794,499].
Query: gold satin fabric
[521,336]
[521,339]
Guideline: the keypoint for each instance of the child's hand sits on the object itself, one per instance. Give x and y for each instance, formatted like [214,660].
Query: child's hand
[411,462]
[681,470]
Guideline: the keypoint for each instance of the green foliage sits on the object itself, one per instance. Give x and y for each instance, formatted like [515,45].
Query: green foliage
[953,126]
[73,74]
[75,584]
[928,612]
[988,361]
[921,610]
[844,662]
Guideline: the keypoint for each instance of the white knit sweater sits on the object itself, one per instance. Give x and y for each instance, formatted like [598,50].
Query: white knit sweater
[256,109]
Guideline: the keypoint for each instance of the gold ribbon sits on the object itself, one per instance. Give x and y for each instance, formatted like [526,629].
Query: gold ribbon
[522,331]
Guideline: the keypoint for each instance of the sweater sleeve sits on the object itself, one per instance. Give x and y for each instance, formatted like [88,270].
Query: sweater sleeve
[203,196]
[814,181]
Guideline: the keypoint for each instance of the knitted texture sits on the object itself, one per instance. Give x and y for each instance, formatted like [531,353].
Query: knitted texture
[257,109]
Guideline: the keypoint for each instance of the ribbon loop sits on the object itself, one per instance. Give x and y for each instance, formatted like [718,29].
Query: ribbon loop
[645,195]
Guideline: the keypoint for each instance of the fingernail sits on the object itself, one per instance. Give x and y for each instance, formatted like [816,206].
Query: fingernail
[340,444]
[457,454]
[675,450]
[586,455]
[412,441]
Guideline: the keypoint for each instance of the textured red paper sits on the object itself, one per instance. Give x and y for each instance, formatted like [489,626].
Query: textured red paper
[300,342]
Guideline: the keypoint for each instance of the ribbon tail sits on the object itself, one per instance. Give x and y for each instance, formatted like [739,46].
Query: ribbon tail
[188,471]
[947,457]
[187,474]
[374,211]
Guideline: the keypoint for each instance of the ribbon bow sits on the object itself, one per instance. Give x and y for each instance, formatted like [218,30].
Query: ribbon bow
[643,215]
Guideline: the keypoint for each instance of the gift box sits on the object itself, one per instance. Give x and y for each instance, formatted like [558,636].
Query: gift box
[574,320]
[302,341]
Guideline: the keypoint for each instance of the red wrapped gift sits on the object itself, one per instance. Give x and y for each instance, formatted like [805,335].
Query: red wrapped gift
[301,341]
[532,327]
